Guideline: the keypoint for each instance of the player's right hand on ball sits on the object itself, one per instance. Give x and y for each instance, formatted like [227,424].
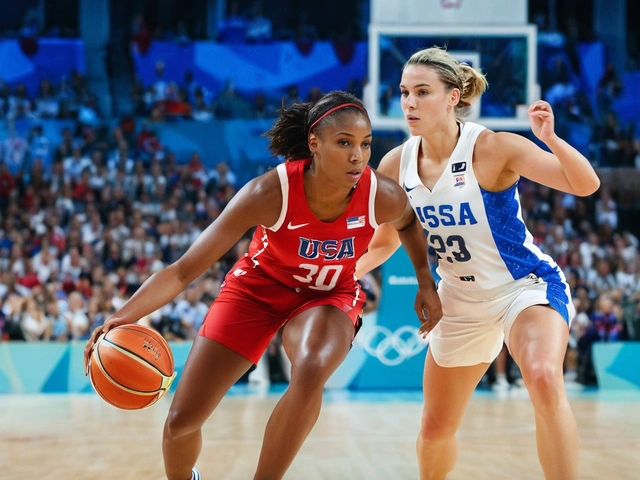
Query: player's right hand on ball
[108,325]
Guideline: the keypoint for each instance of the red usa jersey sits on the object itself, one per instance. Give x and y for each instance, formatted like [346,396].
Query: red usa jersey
[300,251]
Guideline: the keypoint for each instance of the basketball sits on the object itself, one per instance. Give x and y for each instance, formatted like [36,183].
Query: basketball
[131,367]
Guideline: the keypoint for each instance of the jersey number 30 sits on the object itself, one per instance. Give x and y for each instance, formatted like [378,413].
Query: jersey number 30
[324,278]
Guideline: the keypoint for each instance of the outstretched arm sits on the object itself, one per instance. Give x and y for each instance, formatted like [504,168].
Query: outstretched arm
[246,210]
[385,240]
[564,169]
[393,208]
[384,243]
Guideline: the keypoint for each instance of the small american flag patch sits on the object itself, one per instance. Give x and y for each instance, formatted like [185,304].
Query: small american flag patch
[356,222]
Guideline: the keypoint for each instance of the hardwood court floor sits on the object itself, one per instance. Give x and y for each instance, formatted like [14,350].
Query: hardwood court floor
[359,436]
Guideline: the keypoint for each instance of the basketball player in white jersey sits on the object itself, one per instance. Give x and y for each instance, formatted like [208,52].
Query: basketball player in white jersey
[497,286]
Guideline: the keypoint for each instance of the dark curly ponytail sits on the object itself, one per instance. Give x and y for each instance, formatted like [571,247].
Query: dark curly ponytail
[289,136]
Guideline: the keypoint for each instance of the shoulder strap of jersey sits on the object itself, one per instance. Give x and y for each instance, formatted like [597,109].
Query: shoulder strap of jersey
[470,134]
[373,189]
[283,175]
[407,156]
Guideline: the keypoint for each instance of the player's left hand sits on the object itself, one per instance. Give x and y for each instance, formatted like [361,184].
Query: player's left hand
[542,121]
[428,308]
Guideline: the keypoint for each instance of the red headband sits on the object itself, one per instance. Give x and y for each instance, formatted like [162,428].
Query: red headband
[330,111]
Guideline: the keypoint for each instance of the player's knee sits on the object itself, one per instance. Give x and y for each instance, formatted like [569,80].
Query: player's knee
[179,425]
[313,370]
[544,383]
[435,430]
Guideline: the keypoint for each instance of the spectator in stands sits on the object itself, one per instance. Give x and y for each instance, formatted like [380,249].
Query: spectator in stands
[606,209]
[263,108]
[601,279]
[7,186]
[88,113]
[222,176]
[191,311]
[68,100]
[608,89]
[20,104]
[40,145]
[626,276]
[46,265]
[57,321]
[577,329]
[605,321]
[16,261]
[609,139]
[258,26]
[292,96]
[76,164]
[46,102]
[77,319]
[233,28]
[159,87]
[4,98]
[305,31]
[14,150]
[140,34]
[33,321]
[230,104]
[73,264]
[201,110]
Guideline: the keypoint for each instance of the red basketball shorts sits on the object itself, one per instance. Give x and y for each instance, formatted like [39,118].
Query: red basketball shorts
[252,307]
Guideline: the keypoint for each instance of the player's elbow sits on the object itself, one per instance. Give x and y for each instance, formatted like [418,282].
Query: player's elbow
[588,188]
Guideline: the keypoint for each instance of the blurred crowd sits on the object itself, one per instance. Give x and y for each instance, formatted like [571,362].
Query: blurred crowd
[163,100]
[70,98]
[78,238]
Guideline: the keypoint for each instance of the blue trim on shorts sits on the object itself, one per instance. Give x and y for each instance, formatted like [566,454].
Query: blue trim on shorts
[556,288]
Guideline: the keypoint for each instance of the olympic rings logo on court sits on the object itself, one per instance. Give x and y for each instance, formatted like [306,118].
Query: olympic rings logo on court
[391,348]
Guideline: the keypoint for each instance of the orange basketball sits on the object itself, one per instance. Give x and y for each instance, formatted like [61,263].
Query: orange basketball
[131,366]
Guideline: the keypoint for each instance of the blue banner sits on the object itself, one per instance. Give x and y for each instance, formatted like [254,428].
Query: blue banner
[56,367]
[627,105]
[616,365]
[53,59]
[387,353]
[269,68]
[395,351]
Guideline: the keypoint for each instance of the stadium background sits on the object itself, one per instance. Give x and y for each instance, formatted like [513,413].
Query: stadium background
[126,127]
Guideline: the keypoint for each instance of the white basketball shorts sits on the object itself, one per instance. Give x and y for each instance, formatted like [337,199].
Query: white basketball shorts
[475,323]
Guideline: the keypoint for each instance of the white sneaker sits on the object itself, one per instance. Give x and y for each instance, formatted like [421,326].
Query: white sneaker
[500,386]
[570,376]
[573,386]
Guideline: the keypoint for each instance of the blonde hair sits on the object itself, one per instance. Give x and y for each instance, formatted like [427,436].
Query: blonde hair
[471,83]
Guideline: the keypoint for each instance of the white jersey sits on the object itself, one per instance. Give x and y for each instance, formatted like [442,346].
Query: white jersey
[479,236]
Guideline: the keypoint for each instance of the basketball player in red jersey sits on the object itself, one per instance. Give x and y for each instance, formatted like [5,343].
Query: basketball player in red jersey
[315,215]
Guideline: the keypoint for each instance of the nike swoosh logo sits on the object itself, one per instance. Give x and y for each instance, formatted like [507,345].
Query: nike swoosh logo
[294,227]
[409,189]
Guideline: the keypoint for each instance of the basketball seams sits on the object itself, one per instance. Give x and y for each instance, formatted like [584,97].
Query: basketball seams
[135,357]
[143,330]
[138,358]
[106,398]
[108,376]
[140,330]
